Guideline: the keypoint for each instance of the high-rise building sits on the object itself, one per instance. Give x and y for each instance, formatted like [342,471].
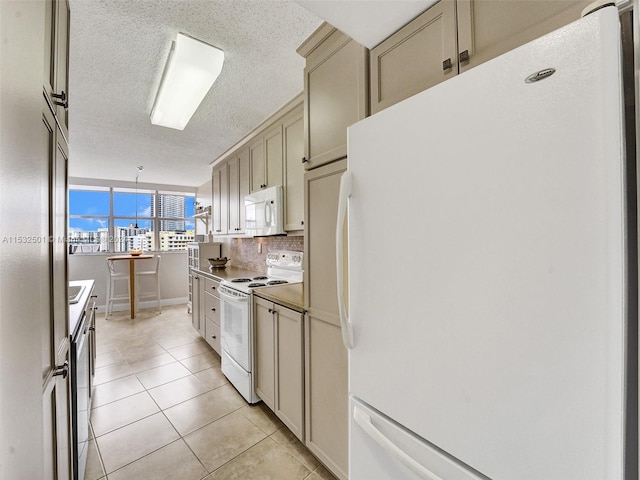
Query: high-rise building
[169,206]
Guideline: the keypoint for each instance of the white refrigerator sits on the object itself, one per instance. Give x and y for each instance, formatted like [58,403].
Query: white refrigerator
[487,270]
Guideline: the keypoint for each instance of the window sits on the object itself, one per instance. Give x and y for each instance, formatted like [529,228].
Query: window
[114,219]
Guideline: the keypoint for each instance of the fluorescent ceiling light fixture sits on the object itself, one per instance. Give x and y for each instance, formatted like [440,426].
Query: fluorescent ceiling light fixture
[191,69]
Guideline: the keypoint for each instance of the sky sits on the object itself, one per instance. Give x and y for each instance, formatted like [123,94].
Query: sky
[84,202]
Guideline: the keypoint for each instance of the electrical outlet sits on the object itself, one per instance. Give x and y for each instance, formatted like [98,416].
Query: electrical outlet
[259,247]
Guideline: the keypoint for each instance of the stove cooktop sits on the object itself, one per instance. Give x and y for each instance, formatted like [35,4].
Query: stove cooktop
[283,267]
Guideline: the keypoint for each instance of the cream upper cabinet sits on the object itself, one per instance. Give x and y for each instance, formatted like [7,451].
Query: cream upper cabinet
[293,142]
[256,159]
[418,56]
[56,60]
[336,93]
[326,386]
[266,159]
[238,189]
[456,35]
[488,28]
[220,209]
[273,156]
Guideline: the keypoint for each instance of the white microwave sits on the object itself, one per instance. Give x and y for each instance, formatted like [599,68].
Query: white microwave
[264,212]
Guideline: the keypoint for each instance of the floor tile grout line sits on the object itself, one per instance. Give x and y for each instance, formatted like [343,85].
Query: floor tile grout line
[95,441]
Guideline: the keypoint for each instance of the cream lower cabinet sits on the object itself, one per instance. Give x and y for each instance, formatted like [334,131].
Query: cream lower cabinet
[326,374]
[210,313]
[205,309]
[454,36]
[279,362]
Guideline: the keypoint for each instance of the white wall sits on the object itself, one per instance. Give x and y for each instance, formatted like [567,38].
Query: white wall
[174,277]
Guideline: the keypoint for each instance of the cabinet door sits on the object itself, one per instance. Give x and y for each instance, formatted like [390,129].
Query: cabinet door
[216,199]
[58,248]
[293,133]
[56,411]
[62,64]
[326,395]
[234,194]
[321,205]
[220,209]
[326,388]
[49,80]
[273,156]
[488,28]
[290,370]
[195,301]
[238,189]
[264,344]
[243,179]
[336,92]
[224,200]
[54,328]
[413,59]
[258,174]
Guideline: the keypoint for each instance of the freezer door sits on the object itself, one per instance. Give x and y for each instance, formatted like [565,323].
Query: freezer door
[487,261]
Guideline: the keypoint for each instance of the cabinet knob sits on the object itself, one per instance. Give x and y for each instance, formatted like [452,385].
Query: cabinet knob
[213,288]
[62,370]
[446,65]
[63,99]
[213,336]
[213,309]
[305,159]
[302,222]
[464,56]
[196,278]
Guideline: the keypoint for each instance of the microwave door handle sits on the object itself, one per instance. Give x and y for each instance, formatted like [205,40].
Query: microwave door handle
[267,214]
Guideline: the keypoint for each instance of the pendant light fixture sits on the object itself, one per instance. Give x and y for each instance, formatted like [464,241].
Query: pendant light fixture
[140,169]
[191,69]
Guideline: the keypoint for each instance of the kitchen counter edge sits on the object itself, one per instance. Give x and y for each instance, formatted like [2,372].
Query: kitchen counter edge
[290,296]
[77,309]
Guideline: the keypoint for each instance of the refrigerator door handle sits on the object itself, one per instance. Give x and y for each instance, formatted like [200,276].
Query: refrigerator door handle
[345,193]
[363,419]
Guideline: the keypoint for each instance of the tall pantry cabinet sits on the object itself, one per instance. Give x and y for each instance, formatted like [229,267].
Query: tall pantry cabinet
[35,415]
[335,97]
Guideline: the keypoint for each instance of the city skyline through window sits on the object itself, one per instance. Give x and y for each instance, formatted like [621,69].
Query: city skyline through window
[105,219]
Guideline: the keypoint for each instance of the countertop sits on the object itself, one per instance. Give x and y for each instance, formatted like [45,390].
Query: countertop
[290,296]
[77,309]
[228,273]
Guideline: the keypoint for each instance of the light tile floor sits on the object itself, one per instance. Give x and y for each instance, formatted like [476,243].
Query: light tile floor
[162,409]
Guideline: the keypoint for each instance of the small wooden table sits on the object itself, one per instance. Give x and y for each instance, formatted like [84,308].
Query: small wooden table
[132,276]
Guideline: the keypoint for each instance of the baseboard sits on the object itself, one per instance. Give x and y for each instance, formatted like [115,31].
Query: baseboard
[123,307]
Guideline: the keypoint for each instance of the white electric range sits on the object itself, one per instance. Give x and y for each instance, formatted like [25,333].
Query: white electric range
[283,267]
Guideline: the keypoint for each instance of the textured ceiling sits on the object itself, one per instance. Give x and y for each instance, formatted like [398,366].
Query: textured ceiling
[118,50]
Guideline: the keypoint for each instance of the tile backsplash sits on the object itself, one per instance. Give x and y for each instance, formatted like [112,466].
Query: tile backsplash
[243,252]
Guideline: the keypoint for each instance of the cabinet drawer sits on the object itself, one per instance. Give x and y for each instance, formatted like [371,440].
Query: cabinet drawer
[212,335]
[211,286]
[212,307]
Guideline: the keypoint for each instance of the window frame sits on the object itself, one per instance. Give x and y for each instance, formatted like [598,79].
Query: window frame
[112,218]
